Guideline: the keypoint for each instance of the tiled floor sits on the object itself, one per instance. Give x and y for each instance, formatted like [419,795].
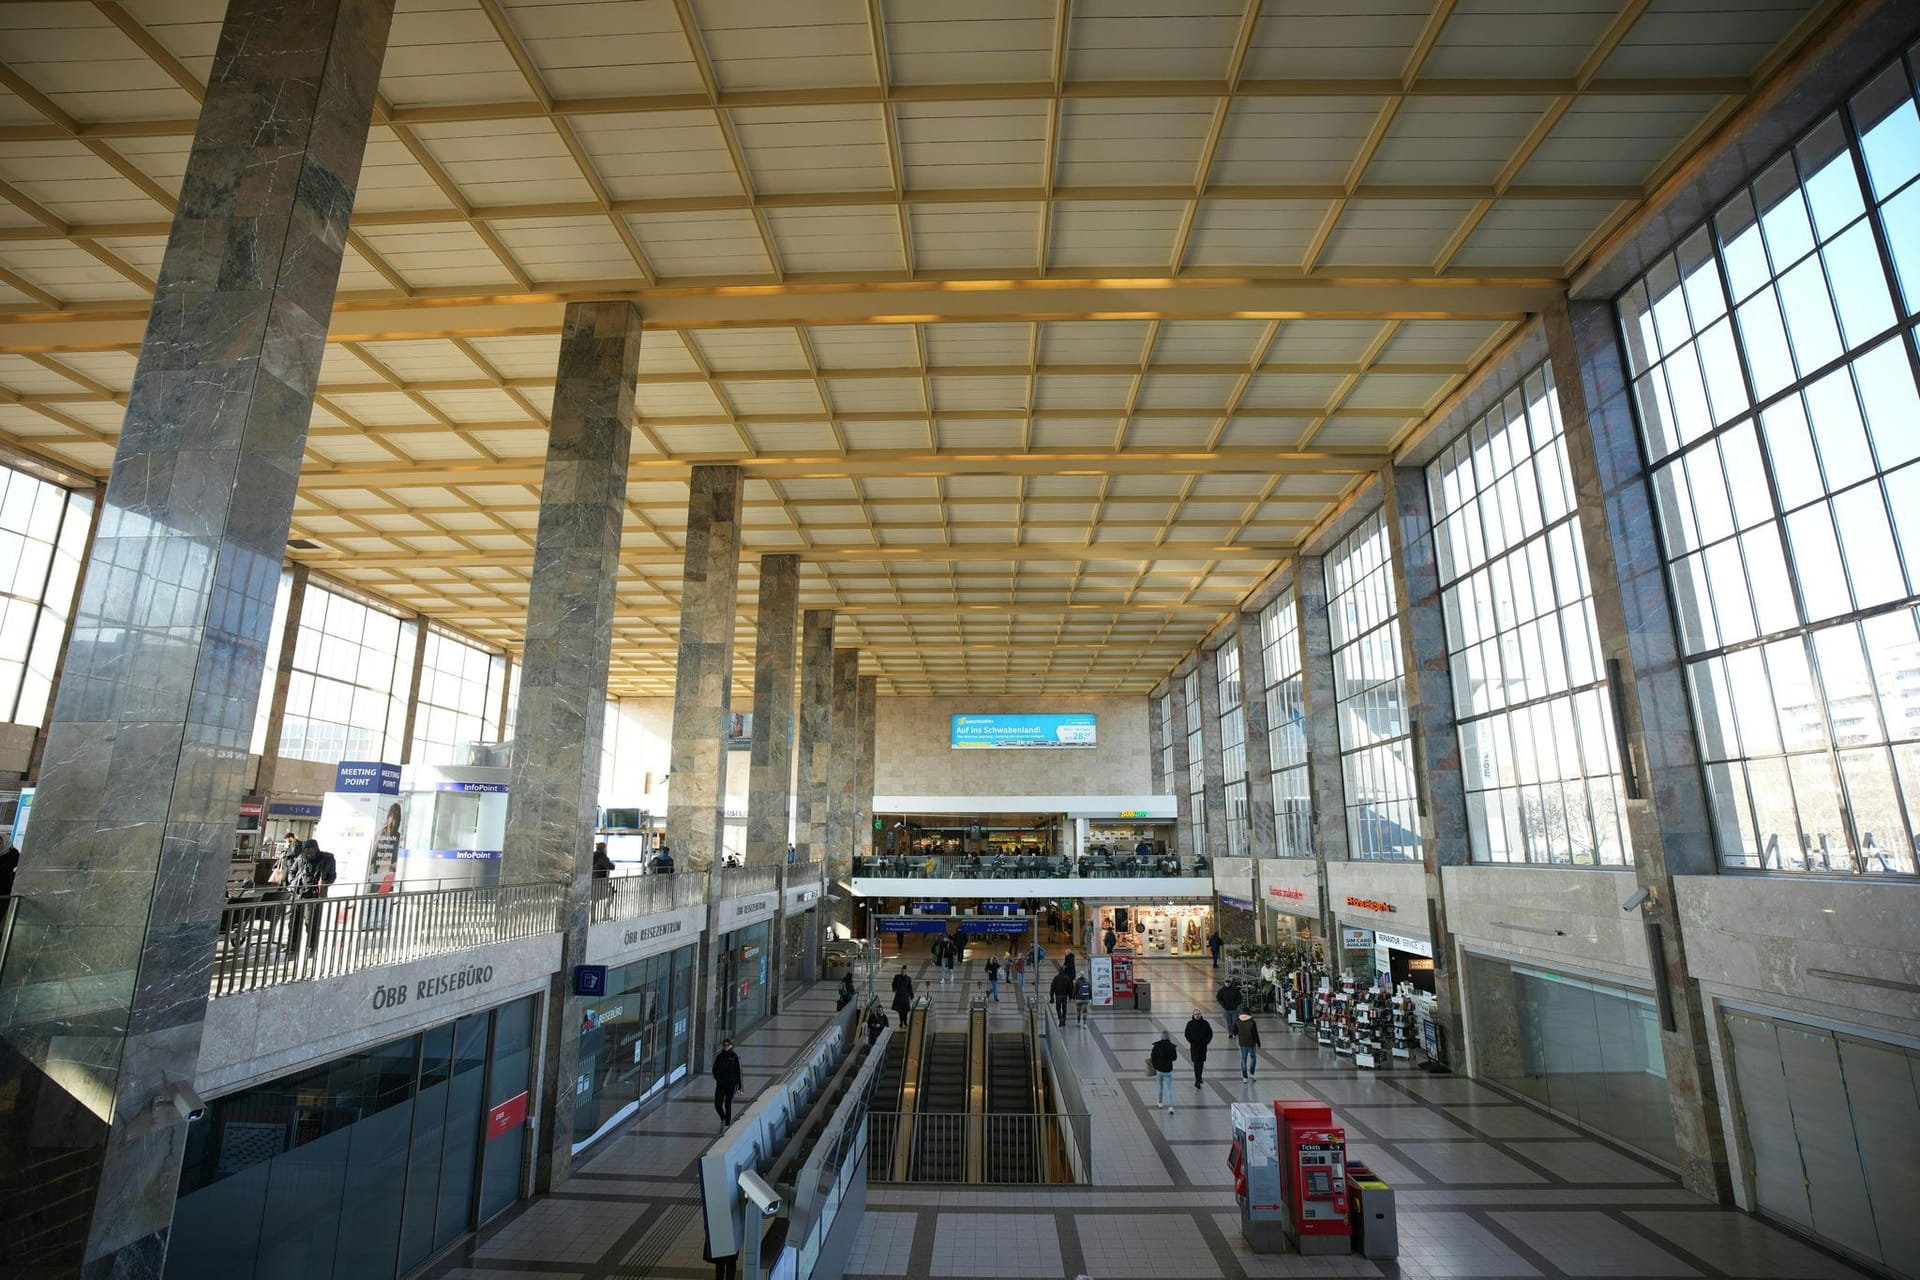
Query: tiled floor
[1486,1187]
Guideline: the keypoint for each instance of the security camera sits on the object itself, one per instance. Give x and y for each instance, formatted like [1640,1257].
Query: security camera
[1639,899]
[182,1099]
[760,1191]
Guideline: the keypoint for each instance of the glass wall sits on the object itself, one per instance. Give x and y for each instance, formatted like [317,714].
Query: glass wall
[1370,697]
[352,666]
[1233,746]
[746,959]
[633,1040]
[365,1166]
[1196,781]
[269,672]
[459,697]
[43,540]
[1537,749]
[1773,372]
[1287,728]
[1586,1049]
[1166,744]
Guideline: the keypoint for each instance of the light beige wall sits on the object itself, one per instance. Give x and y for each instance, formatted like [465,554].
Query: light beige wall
[914,758]
[642,735]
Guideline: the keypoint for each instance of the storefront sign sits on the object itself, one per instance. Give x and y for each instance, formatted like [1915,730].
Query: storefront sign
[1289,895]
[367,778]
[1399,942]
[449,983]
[1242,903]
[1356,939]
[747,908]
[481,788]
[651,931]
[589,979]
[1101,971]
[249,808]
[508,1116]
[1420,964]
[1370,904]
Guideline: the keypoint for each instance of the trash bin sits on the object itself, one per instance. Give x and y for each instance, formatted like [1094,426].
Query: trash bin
[1376,1230]
[1142,995]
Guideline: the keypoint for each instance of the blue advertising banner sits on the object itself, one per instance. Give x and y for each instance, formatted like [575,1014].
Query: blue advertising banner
[897,925]
[1241,903]
[454,855]
[367,778]
[293,810]
[976,925]
[999,908]
[484,788]
[933,908]
[979,733]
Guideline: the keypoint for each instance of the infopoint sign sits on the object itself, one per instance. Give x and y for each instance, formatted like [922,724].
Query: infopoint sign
[981,733]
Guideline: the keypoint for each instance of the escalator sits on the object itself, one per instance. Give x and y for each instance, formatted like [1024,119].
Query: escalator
[884,1118]
[889,1149]
[1011,1115]
[939,1147]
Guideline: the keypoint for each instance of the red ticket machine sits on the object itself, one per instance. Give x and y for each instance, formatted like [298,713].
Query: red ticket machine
[1313,1173]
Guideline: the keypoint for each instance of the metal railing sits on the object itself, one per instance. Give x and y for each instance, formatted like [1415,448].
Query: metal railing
[938,1140]
[630,896]
[1020,867]
[1063,1085]
[737,882]
[268,943]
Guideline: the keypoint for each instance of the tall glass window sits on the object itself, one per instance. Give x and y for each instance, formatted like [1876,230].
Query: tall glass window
[1370,697]
[1537,749]
[1196,764]
[347,695]
[1287,728]
[459,697]
[1773,371]
[43,537]
[1233,746]
[1166,744]
[269,671]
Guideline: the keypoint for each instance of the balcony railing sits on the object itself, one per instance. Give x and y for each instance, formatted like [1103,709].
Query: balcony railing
[628,897]
[1020,867]
[265,944]
[737,882]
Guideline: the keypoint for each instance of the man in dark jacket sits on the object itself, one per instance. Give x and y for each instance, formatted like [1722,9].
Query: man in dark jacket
[726,1081]
[902,995]
[1229,998]
[1110,941]
[1068,965]
[1061,990]
[1214,943]
[314,874]
[1162,1057]
[1246,1034]
[876,1023]
[1199,1036]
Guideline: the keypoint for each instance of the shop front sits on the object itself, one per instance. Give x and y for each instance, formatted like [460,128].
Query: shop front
[1156,928]
[744,963]
[799,918]
[1381,910]
[1290,896]
[634,1040]
[364,1166]
[1404,959]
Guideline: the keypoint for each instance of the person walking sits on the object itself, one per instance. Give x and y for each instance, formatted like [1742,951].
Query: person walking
[1214,943]
[993,980]
[1161,1058]
[1110,941]
[1229,998]
[876,1023]
[1246,1033]
[1199,1036]
[952,955]
[1068,965]
[940,953]
[846,990]
[1083,996]
[1020,979]
[726,1081]
[902,995]
[1061,991]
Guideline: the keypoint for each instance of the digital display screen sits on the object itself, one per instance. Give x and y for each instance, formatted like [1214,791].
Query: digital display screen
[982,733]
[1319,1182]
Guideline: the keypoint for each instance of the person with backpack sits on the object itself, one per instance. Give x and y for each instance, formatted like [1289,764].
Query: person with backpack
[993,980]
[1160,1059]
[1246,1033]
[1083,996]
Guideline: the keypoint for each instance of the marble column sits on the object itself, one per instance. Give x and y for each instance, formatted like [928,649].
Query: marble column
[867,708]
[1667,812]
[1182,768]
[555,776]
[843,771]
[703,680]
[1326,778]
[412,719]
[816,734]
[1213,769]
[104,991]
[282,679]
[1436,742]
[770,776]
[1262,841]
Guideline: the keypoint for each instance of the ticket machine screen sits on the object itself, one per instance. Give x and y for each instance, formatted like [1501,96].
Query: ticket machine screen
[1319,1182]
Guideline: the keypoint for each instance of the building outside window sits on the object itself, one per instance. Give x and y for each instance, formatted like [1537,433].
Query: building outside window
[1370,697]
[269,671]
[1537,748]
[347,692]
[1233,746]
[459,697]
[1287,728]
[1773,365]
[1196,782]
[1166,742]
[43,539]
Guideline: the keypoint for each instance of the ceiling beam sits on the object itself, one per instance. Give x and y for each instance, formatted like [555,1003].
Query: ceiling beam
[931,553]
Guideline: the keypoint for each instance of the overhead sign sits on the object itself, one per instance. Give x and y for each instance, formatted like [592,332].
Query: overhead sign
[1400,942]
[975,924]
[896,924]
[999,908]
[293,810]
[933,908]
[976,733]
[589,979]
[366,778]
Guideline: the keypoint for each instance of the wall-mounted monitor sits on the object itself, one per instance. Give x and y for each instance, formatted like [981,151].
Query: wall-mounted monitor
[986,732]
